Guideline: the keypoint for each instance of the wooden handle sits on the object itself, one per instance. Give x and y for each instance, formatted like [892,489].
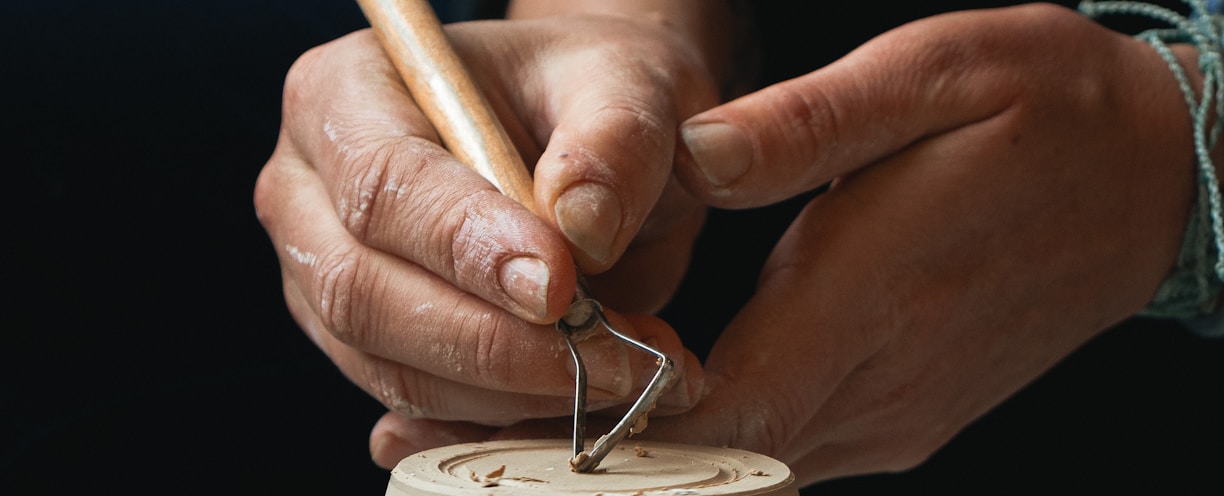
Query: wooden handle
[412,36]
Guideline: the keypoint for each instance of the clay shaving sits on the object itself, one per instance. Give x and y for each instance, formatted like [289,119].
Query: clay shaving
[573,462]
[494,478]
[640,452]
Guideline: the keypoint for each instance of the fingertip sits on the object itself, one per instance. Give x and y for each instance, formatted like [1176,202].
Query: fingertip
[387,446]
[535,278]
[394,438]
[609,366]
[687,386]
[602,174]
[527,281]
[688,381]
[720,152]
[590,216]
[761,148]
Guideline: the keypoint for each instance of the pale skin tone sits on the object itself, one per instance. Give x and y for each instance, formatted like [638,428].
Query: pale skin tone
[1006,185]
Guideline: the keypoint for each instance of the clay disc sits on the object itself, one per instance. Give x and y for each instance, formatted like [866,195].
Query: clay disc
[541,467]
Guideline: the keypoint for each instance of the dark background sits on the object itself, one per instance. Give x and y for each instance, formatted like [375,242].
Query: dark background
[147,346]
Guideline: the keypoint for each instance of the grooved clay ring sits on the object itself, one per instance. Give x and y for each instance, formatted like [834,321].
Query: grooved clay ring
[541,467]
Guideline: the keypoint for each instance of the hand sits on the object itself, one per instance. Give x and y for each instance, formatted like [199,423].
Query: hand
[431,290]
[1006,185]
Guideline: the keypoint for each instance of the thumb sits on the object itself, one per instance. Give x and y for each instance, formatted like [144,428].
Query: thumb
[912,82]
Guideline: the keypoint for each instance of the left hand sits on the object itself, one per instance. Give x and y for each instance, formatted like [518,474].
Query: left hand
[1009,183]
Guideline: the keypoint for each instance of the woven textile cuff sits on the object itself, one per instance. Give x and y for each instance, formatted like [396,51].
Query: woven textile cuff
[1192,291]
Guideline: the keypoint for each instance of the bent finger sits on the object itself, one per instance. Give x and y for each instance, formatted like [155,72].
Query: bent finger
[610,122]
[395,437]
[396,190]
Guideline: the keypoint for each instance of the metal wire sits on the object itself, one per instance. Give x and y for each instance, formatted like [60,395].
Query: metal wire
[584,316]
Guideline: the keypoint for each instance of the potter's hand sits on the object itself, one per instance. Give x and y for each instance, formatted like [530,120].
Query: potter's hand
[434,292]
[1008,184]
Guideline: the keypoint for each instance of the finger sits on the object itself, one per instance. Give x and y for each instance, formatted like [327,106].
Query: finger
[598,423]
[688,378]
[412,393]
[654,264]
[797,135]
[416,393]
[860,457]
[786,352]
[609,118]
[397,191]
[388,307]
[401,313]
[394,437]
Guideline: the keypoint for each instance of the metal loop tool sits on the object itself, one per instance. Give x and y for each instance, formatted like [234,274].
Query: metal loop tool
[413,38]
[584,316]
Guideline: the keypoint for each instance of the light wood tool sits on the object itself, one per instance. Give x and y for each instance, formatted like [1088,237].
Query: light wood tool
[412,36]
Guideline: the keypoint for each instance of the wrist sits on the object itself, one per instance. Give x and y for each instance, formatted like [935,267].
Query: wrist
[1194,290]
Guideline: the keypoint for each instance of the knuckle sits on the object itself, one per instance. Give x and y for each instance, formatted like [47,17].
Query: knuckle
[473,234]
[396,388]
[378,173]
[491,363]
[337,290]
[766,426]
[903,460]
[634,120]
[299,78]
[263,194]
[277,177]
[900,447]
[367,169]
[808,117]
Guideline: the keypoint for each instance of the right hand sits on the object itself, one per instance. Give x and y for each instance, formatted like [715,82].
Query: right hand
[431,290]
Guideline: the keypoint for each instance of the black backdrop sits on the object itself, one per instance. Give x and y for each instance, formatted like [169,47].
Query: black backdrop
[147,346]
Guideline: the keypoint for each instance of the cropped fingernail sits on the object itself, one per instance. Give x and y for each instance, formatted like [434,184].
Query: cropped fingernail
[525,279]
[722,152]
[589,214]
[607,365]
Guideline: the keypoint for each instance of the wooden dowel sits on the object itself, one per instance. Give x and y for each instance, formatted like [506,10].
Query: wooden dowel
[412,35]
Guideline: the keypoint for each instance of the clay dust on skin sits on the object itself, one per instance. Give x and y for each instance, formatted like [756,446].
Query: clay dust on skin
[448,355]
[311,260]
[340,138]
[392,398]
[303,257]
[373,127]
[365,198]
[480,236]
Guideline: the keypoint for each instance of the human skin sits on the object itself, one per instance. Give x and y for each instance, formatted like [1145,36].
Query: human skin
[1007,184]
[1004,185]
[435,293]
